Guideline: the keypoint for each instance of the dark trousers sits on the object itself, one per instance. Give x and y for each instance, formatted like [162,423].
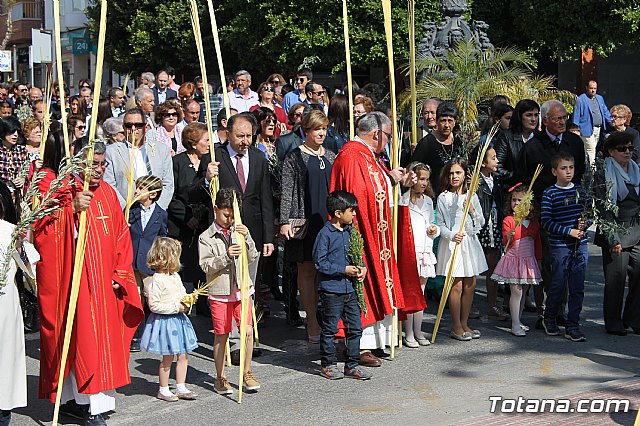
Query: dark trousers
[5,417]
[616,269]
[568,268]
[290,290]
[334,307]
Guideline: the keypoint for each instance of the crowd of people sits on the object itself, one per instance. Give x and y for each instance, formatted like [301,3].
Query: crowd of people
[315,219]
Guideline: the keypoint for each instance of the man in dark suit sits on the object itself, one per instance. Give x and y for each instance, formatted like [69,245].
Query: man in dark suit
[246,170]
[161,91]
[553,138]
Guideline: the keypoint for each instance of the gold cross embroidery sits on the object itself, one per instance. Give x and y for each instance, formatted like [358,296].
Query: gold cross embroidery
[102,217]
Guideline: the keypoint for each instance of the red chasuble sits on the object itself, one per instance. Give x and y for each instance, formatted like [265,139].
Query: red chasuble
[106,319]
[356,170]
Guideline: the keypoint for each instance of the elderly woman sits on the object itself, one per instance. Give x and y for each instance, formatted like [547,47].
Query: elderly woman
[266,92]
[362,105]
[168,115]
[113,130]
[190,207]
[440,146]
[620,119]
[32,131]
[306,174]
[618,186]
[12,155]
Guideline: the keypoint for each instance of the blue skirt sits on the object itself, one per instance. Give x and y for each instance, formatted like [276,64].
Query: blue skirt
[169,335]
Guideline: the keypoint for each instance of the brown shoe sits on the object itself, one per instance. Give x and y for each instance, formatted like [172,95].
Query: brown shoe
[368,359]
[250,381]
[221,386]
[171,398]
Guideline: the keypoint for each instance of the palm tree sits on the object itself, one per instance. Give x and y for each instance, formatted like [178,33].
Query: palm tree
[468,76]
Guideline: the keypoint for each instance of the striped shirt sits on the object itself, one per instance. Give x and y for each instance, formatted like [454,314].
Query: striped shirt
[559,213]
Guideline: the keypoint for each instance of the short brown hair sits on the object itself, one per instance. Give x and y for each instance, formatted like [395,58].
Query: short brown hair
[164,108]
[150,183]
[314,120]
[28,125]
[186,89]
[561,156]
[164,255]
[192,134]
[366,102]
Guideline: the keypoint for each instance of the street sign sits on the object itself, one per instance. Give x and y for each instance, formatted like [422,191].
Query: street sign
[6,63]
[81,46]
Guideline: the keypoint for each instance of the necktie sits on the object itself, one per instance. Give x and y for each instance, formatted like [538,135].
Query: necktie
[240,171]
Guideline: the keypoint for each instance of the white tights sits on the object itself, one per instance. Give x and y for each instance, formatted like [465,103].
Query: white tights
[516,305]
[413,324]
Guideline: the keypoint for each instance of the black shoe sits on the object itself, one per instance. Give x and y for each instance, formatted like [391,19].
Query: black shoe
[295,321]
[561,321]
[5,417]
[135,345]
[530,307]
[636,330]
[575,335]
[539,325]
[380,353]
[617,332]
[96,420]
[75,410]
[551,328]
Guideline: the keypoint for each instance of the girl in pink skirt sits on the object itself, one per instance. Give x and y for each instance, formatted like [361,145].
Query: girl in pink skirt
[519,265]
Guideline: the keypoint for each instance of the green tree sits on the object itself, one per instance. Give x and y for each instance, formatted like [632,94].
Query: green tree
[258,35]
[468,77]
[560,29]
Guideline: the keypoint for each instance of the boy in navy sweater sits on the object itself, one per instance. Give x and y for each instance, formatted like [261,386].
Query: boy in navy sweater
[338,297]
[561,213]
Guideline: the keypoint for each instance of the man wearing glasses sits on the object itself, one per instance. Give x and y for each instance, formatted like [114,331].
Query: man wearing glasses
[150,158]
[109,308]
[303,76]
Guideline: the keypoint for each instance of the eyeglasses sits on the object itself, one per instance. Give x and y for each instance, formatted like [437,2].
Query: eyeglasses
[81,127]
[275,81]
[615,117]
[172,114]
[624,148]
[103,164]
[136,125]
[267,89]
[24,90]
[559,119]
[319,92]
[387,134]
[297,115]
[301,78]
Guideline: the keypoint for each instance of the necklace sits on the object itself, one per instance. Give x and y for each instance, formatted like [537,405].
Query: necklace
[318,153]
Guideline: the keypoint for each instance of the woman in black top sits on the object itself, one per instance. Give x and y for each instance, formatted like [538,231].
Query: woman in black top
[438,148]
[509,143]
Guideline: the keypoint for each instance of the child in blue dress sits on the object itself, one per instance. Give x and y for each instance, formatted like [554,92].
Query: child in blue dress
[168,331]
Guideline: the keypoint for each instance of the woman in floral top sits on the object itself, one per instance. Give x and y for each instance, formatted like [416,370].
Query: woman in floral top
[12,155]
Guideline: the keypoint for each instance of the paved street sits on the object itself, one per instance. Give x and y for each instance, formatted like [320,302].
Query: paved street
[449,382]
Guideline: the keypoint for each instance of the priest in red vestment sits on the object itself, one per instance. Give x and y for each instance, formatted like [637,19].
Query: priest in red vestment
[357,169]
[108,310]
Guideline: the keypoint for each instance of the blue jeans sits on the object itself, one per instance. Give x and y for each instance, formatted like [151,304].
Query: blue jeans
[568,268]
[334,307]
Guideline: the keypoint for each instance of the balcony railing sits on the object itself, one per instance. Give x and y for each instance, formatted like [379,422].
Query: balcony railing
[29,9]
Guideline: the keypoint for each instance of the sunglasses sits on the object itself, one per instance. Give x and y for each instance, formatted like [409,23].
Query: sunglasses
[297,114]
[267,89]
[81,127]
[269,120]
[319,92]
[136,125]
[624,148]
[276,81]
[172,114]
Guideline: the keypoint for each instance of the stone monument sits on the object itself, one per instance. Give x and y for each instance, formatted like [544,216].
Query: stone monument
[438,39]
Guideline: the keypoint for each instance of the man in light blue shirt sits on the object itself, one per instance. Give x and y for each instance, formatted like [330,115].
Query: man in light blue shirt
[242,98]
[591,115]
[303,76]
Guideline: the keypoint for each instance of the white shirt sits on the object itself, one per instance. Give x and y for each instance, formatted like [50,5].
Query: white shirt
[162,96]
[244,160]
[145,214]
[240,103]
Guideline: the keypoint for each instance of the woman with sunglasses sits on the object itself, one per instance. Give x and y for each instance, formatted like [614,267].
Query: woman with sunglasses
[12,155]
[167,117]
[618,184]
[266,92]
